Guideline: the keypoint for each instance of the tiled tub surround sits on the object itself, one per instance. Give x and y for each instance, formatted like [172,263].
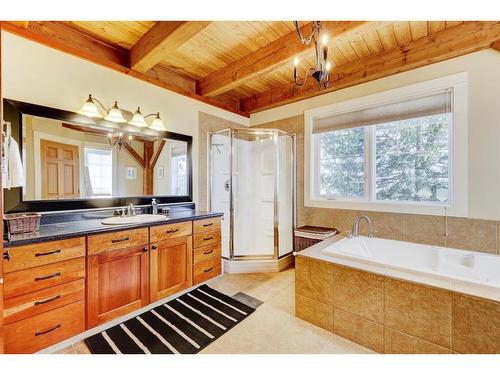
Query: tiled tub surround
[388,314]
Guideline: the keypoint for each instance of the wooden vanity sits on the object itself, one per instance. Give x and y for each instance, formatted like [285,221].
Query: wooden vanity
[57,289]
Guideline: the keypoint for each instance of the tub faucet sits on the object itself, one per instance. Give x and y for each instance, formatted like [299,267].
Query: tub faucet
[355,226]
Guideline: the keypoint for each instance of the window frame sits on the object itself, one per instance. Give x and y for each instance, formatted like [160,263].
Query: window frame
[101,146]
[458,152]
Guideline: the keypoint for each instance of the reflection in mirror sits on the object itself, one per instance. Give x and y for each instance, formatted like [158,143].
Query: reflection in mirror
[67,161]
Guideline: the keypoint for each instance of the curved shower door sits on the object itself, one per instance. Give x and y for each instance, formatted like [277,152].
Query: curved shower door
[253,193]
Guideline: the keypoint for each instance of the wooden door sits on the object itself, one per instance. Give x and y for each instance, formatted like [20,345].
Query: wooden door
[117,283]
[171,266]
[60,170]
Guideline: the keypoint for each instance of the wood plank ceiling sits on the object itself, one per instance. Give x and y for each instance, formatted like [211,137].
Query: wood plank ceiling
[247,66]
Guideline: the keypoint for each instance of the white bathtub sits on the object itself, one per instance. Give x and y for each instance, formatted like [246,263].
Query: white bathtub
[464,271]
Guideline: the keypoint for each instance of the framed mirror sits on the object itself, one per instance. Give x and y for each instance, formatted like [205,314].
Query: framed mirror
[70,161]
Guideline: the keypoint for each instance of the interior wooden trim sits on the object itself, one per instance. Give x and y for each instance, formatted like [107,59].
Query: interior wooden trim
[65,39]
[453,42]
[157,41]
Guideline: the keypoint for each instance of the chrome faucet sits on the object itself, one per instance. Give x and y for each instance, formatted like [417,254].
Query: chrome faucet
[154,206]
[130,210]
[355,226]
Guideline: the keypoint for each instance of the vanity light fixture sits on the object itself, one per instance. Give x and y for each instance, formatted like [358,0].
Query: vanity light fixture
[115,114]
[119,139]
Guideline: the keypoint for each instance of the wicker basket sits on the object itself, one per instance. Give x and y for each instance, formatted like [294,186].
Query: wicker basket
[307,236]
[23,222]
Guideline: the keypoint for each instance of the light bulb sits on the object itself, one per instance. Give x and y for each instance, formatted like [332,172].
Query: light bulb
[115,114]
[138,119]
[89,108]
[296,61]
[158,124]
[328,66]
[324,40]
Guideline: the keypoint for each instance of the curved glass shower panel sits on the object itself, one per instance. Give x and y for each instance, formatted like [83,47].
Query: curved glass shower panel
[253,194]
[220,182]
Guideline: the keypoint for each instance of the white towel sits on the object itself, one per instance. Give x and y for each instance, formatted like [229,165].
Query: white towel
[12,166]
[16,171]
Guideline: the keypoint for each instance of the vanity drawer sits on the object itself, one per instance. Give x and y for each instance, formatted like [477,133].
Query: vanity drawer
[206,225]
[27,305]
[41,331]
[205,253]
[33,279]
[164,232]
[206,270]
[206,238]
[100,243]
[40,254]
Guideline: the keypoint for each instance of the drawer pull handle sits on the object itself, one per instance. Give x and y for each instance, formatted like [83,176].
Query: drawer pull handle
[154,247]
[48,330]
[6,255]
[208,270]
[48,253]
[208,225]
[208,252]
[173,230]
[120,240]
[47,300]
[145,249]
[48,277]
[207,238]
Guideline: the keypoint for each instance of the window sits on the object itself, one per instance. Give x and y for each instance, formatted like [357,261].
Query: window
[98,181]
[179,170]
[390,152]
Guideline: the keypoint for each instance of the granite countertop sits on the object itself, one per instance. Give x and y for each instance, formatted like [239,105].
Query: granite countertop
[51,232]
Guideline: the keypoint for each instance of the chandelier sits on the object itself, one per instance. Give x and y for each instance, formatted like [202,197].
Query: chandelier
[116,114]
[119,139]
[321,72]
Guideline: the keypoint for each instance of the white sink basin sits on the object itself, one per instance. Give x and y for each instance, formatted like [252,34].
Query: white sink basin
[143,218]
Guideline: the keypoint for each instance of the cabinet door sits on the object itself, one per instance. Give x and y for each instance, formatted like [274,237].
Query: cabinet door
[171,266]
[118,283]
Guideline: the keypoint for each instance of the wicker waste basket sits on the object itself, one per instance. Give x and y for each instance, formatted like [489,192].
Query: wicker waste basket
[309,235]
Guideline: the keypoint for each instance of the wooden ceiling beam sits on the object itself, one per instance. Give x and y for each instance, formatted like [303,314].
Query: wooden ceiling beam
[68,40]
[135,155]
[156,153]
[496,45]
[456,41]
[274,55]
[163,37]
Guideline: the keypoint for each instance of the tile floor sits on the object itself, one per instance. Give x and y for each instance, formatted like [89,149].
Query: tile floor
[273,328]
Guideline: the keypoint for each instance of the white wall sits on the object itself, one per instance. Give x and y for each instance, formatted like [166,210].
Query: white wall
[38,74]
[484,119]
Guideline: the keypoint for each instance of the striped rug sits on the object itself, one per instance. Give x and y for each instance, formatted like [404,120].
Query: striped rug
[184,325]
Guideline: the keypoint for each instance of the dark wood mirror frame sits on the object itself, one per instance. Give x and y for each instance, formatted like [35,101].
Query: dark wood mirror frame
[15,116]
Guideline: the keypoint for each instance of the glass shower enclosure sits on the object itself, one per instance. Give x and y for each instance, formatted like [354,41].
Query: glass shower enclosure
[251,180]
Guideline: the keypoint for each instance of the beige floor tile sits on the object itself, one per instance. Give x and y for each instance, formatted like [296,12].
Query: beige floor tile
[67,350]
[81,348]
[338,345]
